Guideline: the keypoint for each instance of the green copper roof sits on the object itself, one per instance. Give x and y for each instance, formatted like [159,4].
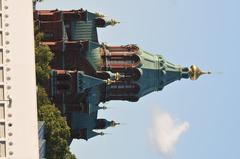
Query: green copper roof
[90,16]
[93,54]
[87,82]
[84,30]
[157,73]
[83,120]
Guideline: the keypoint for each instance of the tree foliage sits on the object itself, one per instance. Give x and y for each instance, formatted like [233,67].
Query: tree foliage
[57,131]
[43,56]
[42,97]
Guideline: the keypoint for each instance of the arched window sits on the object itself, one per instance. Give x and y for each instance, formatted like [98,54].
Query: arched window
[123,90]
[63,77]
[123,61]
[63,87]
[63,81]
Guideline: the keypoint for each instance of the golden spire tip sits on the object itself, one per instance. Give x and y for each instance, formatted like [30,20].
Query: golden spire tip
[195,72]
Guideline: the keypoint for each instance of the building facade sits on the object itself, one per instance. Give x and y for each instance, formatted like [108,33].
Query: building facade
[18,106]
[86,72]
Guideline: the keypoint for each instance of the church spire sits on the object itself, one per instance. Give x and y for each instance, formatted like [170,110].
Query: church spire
[113,123]
[171,72]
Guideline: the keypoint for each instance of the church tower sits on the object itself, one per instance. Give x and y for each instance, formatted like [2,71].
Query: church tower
[137,72]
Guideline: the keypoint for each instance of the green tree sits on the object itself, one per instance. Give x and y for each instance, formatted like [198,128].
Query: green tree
[57,132]
[43,57]
[42,97]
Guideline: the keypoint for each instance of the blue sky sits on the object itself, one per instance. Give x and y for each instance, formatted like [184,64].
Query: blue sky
[185,32]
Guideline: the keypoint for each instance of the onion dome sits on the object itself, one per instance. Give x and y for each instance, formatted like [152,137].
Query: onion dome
[103,21]
[195,72]
[103,124]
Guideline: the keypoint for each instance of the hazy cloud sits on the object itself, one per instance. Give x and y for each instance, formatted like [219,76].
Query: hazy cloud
[166,131]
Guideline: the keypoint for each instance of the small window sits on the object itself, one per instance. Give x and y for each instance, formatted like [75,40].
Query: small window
[48,36]
[63,77]
[2,130]
[1,56]
[63,87]
[2,111]
[1,39]
[0,5]
[1,92]
[0,21]
[1,74]
[2,149]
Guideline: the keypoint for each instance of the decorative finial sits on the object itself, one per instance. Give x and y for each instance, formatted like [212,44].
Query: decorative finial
[195,72]
[109,81]
[117,76]
[103,107]
[99,15]
[113,123]
[101,133]
[113,22]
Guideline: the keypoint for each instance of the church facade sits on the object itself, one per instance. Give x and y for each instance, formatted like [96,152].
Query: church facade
[85,72]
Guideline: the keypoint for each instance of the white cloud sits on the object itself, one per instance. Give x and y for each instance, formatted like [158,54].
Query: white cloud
[166,131]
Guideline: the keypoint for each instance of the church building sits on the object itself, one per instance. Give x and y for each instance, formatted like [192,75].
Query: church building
[86,72]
